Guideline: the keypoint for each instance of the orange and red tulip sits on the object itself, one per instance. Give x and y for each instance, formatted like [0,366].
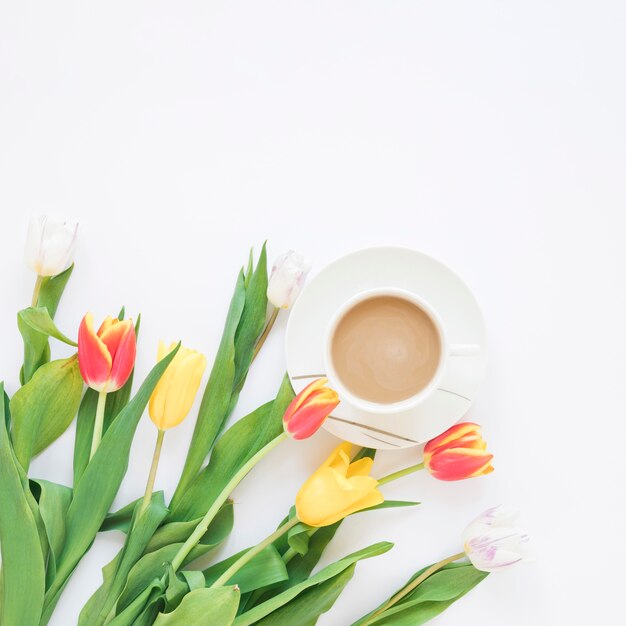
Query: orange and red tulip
[106,358]
[460,452]
[309,409]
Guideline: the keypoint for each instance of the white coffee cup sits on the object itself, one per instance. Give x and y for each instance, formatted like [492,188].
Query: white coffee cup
[446,350]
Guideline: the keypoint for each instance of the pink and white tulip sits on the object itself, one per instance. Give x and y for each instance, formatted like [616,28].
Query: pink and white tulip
[493,541]
[287,279]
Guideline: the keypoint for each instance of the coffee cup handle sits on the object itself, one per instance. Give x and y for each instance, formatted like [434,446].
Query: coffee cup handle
[464,349]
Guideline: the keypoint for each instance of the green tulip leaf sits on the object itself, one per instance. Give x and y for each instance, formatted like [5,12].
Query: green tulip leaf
[252,322]
[143,609]
[217,395]
[273,604]
[234,448]
[301,564]
[53,501]
[244,324]
[51,290]
[115,574]
[306,608]
[389,504]
[430,598]
[204,606]
[23,566]
[36,348]
[99,484]
[39,319]
[265,568]
[163,547]
[44,407]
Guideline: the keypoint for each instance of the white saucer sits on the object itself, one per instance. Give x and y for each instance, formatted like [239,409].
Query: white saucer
[403,269]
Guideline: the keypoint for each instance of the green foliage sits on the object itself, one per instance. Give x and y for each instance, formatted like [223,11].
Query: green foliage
[430,598]
[244,323]
[164,546]
[328,573]
[114,575]
[305,609]
[203,606]
[265,568]
[237,446]
[53,501]
[22,558]
[36,347]
[44,407]
[99,484]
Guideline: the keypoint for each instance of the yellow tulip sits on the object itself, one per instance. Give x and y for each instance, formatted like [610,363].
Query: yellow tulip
[174,394]
[337,489]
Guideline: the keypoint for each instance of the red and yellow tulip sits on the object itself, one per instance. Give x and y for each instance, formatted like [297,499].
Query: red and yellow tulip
[459,452]
[337,489]
[309,409]
[106,358]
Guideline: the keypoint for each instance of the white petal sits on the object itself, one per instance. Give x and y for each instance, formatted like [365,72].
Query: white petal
[493,541]
[491,563]
[49,245]
[287,278]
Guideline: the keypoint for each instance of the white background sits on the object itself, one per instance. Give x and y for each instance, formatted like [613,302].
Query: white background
[488,134]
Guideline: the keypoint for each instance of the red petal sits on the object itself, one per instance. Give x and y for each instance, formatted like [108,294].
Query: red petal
[124,357]
[307,420]
[113,333]
[459,464]
[297,402]
[451,435]
[94,359]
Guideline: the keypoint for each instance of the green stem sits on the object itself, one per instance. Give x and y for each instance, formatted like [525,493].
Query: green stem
[400,473]
[290,553]
[36,290]
[412,585]
[147,496]
[98,423]
[203,526]
[266,332]
[252,552]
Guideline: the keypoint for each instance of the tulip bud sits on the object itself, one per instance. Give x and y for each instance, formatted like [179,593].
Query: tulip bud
[308,410]
[337,489]
[49,245]
[493,541]
[287,278]
[458,453]
[174,394]
[106,358]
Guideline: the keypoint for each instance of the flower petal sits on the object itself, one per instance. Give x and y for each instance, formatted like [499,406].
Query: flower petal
[182,388]
[94,360]
[124,359]
[459,464]
[451,435]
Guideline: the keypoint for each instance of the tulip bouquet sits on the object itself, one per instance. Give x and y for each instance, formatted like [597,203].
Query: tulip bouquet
[165,572]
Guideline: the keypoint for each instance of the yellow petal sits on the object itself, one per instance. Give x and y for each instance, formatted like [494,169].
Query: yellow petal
[182,389]
[361,467]
[340,457]
[373,498]
[158,399]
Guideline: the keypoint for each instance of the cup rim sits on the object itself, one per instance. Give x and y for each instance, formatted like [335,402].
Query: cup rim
[368,405]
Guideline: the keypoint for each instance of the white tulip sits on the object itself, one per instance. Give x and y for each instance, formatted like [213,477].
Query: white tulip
[49,245]
[287,278]
[493,541]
